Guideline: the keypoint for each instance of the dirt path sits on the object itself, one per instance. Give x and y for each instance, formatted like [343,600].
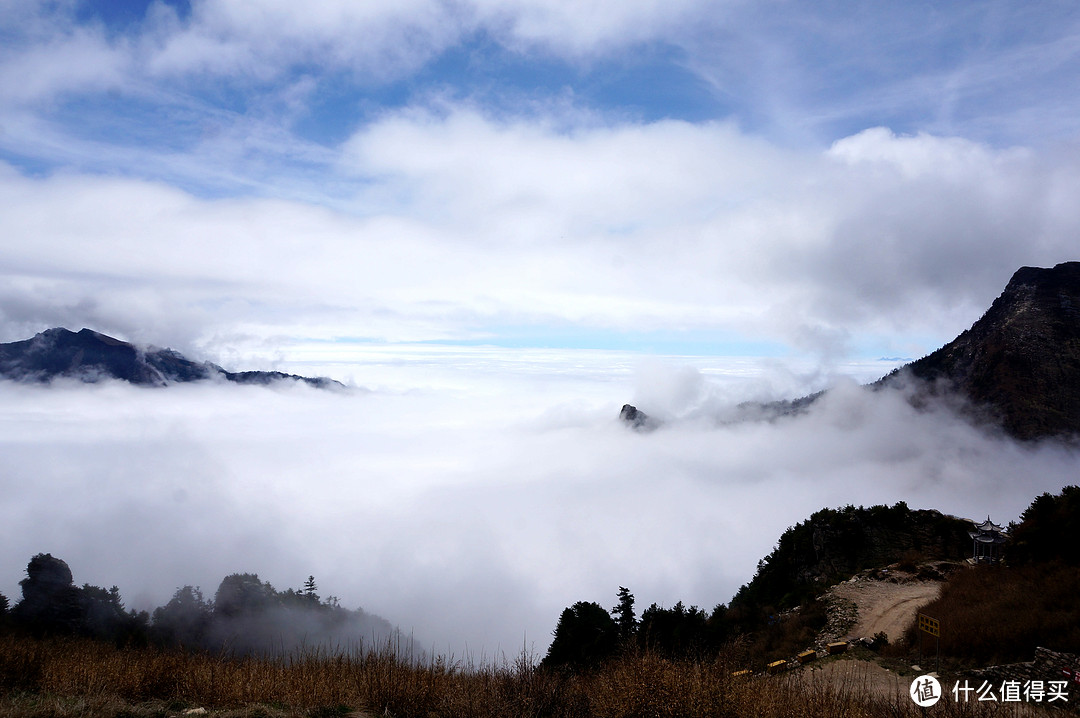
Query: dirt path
[885,606]
[881,605]
[859,678]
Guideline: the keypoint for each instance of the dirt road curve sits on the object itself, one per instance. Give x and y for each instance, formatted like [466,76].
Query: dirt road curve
[860,678]
[885,606]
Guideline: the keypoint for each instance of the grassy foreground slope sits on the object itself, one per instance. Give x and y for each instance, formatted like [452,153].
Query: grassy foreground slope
[63,678]
[1009,609]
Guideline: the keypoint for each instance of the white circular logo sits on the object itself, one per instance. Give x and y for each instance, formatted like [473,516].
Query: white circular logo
[925,691]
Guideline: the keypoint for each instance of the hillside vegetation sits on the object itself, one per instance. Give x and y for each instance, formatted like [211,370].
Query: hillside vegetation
[1000,614]
[246,615]
[68,651]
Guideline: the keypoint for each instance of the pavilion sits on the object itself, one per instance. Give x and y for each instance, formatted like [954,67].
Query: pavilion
[987,539]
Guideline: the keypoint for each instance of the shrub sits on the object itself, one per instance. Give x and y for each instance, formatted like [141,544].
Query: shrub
[1000,614]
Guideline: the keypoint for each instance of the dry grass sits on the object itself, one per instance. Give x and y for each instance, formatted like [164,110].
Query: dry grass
[83,679]
[999,614]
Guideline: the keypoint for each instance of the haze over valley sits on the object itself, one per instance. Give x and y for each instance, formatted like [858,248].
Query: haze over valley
[470,509]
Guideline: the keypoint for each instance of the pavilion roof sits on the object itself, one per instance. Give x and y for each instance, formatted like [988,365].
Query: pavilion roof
[989,526]
[987,537]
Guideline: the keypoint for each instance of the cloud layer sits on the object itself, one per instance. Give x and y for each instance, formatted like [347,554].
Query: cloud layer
[196,175]
[469,515]
[463,226]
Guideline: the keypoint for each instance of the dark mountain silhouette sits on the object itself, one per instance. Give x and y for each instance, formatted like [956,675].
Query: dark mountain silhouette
[89,356]
[1017,367]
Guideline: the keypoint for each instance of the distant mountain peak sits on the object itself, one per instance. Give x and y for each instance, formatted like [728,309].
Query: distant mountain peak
[91,356]
[1019,364]
[1017,367]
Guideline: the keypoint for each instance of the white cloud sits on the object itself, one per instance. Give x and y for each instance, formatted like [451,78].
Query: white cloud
[800,73]
[705,215]
[461,225]
[382,40]
[265,40]
[76,61]
[600,178]
[471,513]
[586,28]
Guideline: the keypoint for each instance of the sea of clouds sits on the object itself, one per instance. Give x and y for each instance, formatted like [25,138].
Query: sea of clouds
[469,495]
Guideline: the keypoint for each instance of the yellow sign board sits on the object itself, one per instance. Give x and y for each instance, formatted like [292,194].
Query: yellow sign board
[930,625]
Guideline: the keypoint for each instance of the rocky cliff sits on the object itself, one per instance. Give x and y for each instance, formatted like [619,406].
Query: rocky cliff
[1019,365]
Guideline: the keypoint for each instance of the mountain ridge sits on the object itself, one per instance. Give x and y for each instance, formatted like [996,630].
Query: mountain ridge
[1018,365]
[91,356]
[1016,368]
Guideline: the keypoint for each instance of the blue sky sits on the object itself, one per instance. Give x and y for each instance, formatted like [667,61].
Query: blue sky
[833,180]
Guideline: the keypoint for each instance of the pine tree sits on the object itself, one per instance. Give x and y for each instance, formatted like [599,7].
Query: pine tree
[309,590]
[184,620]
[623,614]
[584,637]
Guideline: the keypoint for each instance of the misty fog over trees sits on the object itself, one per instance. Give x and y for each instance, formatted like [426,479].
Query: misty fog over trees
[244,616]
[777,609]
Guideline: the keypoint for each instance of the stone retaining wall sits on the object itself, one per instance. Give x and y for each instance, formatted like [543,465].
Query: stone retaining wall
[1047,666]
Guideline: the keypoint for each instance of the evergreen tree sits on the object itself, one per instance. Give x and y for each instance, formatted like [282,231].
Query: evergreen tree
[184,620]
[243,594]
[104,617]
[51,602]
[585,636]
[676,631]
[624,615]
[309,590]
[103,611]
[53,605]
[1047,530]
